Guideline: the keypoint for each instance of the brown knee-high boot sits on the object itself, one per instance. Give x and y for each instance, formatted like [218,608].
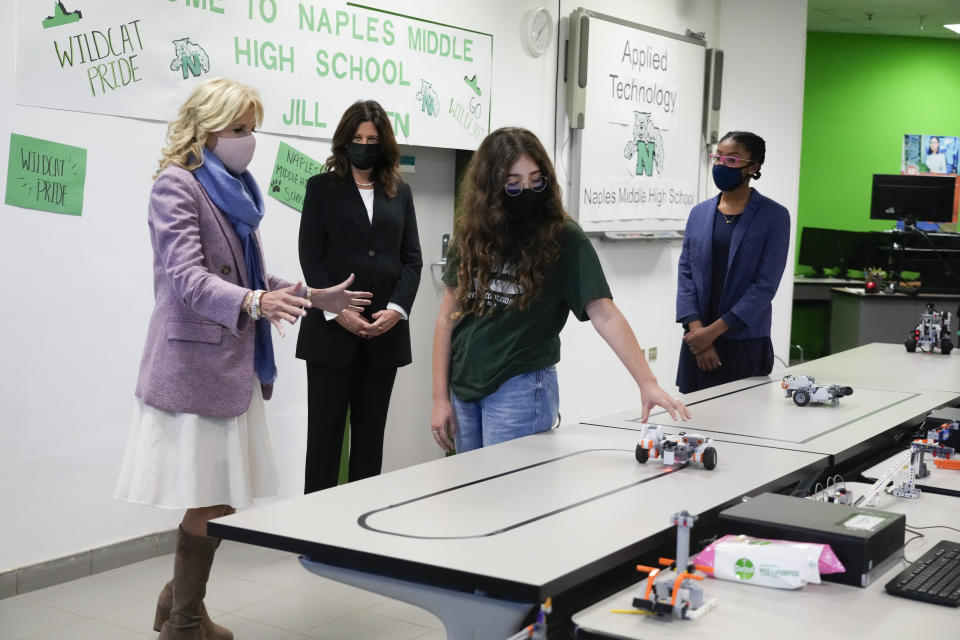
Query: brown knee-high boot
[191,569]
[213,630]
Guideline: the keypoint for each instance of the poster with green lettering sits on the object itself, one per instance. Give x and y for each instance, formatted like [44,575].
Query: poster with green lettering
[288,182]
[46,175]
[310,59]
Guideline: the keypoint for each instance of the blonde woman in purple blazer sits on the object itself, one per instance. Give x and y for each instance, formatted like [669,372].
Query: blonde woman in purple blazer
[199,439]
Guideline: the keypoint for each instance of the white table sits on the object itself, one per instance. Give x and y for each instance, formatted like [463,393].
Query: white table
[480,538]
[946,481]
[887,366]
[826,610]
[760,414]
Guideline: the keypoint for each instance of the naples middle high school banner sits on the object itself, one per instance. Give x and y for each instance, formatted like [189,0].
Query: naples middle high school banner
[309,60]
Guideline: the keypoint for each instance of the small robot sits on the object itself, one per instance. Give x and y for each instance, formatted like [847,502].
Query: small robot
[675,450]
[942,436]
[674,591]
[931,333]
[804,390]
[900,478]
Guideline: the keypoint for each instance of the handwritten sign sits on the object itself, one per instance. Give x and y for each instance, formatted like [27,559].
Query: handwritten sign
[310,61]
[288,183]
[45,175]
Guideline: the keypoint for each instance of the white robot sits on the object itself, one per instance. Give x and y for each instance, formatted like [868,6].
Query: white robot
[674,450]
[804,390]
[931,333]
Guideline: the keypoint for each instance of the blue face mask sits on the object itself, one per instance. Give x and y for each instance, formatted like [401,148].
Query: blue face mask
[727,178]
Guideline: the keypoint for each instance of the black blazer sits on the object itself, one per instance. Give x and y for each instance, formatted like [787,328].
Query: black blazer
[337,239]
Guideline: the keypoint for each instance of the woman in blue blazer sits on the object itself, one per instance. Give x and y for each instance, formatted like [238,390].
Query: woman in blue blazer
[734,252]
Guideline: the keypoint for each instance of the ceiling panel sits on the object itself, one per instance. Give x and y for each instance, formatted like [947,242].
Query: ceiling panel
[886,17]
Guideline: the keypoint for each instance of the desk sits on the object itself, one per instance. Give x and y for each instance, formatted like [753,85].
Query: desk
[516,522]
[762,416]
[813,289]
[826,610]
[858,318]
[810,327]
[945,481]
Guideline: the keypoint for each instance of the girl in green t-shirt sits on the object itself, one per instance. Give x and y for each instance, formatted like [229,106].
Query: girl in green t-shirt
[517,267]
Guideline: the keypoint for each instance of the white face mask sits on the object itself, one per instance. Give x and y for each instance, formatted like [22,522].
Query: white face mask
[235,153]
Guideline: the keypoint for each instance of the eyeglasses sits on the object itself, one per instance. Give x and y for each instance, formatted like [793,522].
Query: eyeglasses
[515,187]
[735,162]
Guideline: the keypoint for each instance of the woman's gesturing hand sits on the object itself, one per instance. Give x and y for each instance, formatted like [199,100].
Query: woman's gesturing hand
[338,298]
[283,304]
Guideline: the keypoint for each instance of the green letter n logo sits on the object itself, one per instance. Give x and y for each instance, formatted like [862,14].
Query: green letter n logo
[645,152]
[193,63]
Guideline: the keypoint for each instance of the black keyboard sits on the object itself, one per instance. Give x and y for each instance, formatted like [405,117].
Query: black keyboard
[934,577]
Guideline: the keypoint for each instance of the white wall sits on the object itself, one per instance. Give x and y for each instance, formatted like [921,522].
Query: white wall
[77,292]
[764,43]
[80,290]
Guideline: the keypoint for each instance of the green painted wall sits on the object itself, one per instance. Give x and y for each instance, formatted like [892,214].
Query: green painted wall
[861,95]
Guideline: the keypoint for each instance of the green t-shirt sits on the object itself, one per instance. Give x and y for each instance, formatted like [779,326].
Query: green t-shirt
[490,349]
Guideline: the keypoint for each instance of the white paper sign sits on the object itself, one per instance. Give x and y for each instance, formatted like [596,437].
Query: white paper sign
[309,60]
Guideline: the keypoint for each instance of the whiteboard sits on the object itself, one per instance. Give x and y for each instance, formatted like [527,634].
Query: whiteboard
[635,104]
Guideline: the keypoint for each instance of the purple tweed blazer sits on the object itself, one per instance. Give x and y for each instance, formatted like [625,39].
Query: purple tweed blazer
[198,357]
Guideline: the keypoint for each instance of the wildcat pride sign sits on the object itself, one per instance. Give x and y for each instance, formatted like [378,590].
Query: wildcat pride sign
[309,60]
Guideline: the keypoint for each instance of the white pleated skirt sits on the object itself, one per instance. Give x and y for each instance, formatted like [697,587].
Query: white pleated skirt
[183,460]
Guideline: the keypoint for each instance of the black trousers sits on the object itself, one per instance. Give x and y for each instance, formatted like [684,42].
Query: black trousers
[331,391]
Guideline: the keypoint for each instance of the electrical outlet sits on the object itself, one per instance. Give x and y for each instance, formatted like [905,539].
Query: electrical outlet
[653,353]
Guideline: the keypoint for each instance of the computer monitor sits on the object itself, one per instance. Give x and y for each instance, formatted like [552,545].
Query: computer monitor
[817,249]
[912,198]
[832,248]
[852,250]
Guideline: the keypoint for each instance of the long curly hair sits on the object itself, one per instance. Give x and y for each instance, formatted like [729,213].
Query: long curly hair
[212,106]
[386,173]
[487,240]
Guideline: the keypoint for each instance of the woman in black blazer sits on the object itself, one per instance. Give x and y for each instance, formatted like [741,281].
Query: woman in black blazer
[358,218]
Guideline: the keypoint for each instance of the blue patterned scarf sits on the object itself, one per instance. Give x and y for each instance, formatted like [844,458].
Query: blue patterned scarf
[240,199]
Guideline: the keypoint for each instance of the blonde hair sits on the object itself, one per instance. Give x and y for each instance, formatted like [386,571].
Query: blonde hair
[212,106]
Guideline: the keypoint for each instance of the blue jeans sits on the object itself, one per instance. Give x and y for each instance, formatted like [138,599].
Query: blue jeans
[523,405]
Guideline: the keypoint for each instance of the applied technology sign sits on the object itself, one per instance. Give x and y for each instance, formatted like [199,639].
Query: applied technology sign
[309,60]
[643,127]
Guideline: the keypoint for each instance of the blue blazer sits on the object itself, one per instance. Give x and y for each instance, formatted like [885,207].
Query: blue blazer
[758,255]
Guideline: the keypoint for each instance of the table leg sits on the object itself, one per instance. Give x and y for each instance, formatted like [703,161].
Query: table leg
[465,616]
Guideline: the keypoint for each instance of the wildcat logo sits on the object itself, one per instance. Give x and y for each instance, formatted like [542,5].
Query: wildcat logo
[189,58]
[647,144]
[61,16]
[428,98]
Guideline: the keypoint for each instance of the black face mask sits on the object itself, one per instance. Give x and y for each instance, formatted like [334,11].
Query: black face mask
[363,156]
[527,205]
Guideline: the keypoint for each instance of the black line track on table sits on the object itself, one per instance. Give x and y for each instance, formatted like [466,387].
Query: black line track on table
[681,427]
[362,519]
[759,445]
